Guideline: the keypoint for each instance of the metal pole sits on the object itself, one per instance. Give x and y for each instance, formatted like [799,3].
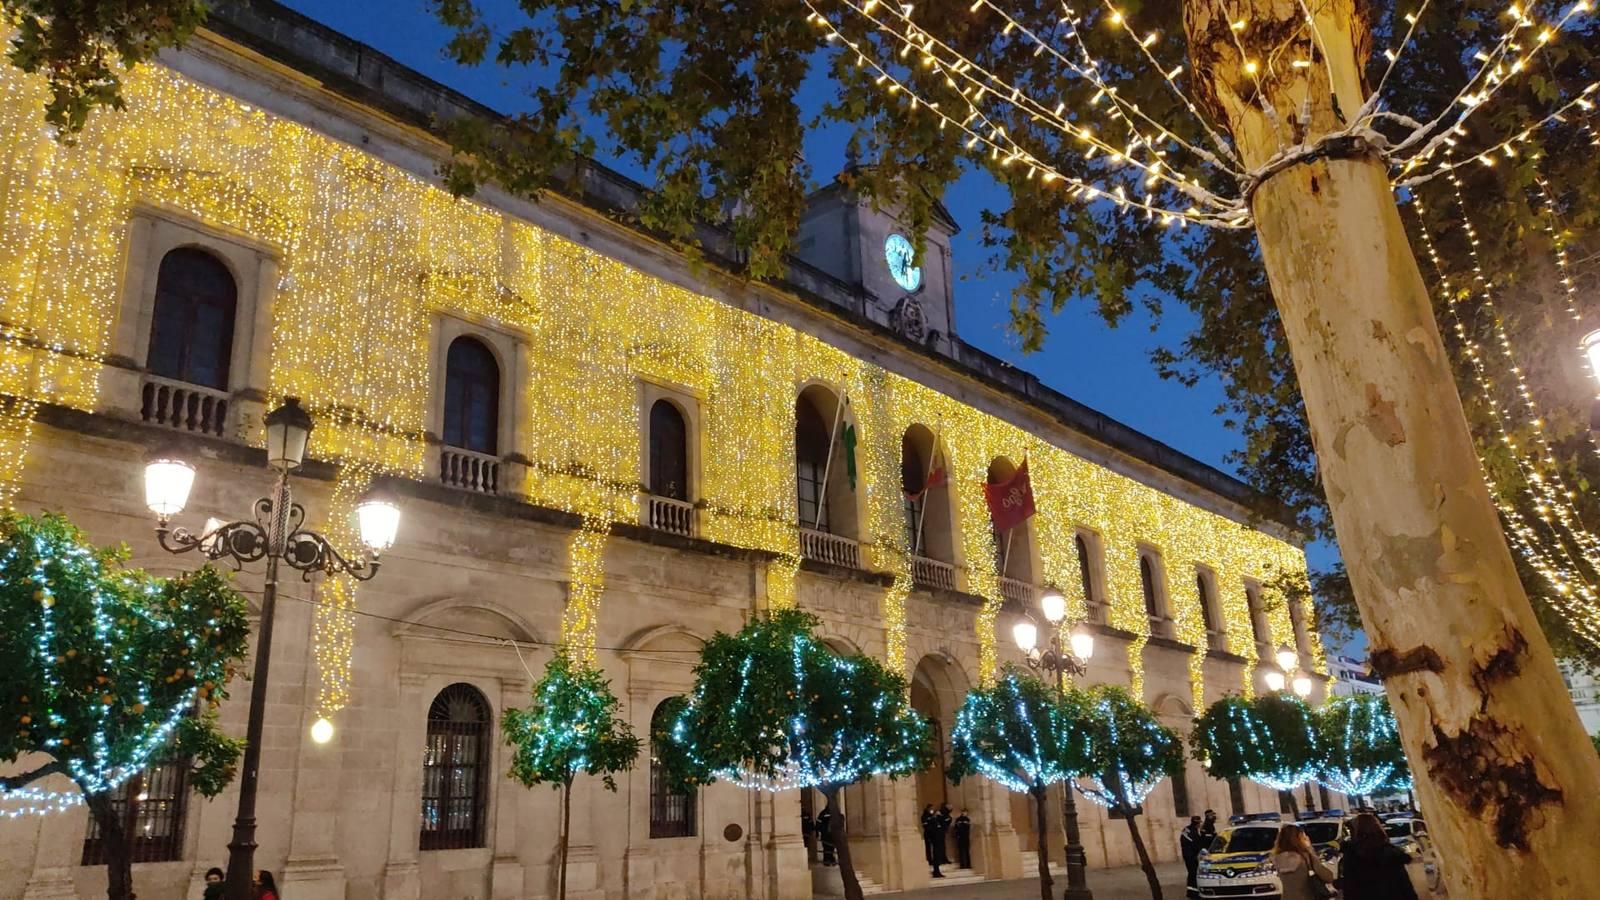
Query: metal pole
[242,849]
[1077,859]
[827,464]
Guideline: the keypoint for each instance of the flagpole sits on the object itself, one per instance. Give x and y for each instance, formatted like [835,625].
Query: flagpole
[827,465]
[1005,557]
[922,513]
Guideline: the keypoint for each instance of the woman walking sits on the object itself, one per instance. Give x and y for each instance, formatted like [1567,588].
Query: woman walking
[1302,874]
[1371,867]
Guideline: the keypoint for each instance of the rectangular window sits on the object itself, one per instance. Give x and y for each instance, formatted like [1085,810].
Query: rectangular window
[159,796]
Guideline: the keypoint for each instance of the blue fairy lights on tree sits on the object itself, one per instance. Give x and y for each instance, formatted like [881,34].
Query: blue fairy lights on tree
[774,709]
[107,670]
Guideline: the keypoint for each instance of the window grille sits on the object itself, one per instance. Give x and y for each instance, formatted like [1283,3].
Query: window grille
[159,796]
[455,763]
[672,813]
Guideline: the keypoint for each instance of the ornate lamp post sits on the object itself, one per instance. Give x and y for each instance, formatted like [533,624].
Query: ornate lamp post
[1287,673]
[1061,660]
[275,535]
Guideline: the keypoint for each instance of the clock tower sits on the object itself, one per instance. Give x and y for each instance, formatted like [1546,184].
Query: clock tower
[843,235]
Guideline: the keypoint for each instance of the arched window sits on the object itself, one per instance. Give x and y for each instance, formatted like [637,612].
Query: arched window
[1203,590]
[669,451]
[191,335]
[1086,573]
[671,812]
[471,396]
[925,481]
[455,767]
[811,445]
[1258,619]
[1147,581]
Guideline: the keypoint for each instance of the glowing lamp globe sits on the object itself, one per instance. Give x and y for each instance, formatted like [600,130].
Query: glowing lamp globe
[1591,352]
[1302,685]
[1082,643]
[288,432]
[1287,658]
[167,481]
[1026,634]
[1055,605]
[322,731]
[1275,680]
[378,518]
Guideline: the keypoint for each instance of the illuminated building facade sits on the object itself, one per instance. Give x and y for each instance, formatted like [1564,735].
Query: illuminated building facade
[597,444]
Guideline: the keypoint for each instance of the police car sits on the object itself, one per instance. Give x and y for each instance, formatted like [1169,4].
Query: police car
[1239,861]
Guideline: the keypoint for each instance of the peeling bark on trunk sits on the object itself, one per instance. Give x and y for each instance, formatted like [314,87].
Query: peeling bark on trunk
[1502,764]
[841,844]
[1045,881]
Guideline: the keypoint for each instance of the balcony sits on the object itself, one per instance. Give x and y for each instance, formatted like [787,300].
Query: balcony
[669,515]
[829,548]
[931,573]
[184,407]
[1019,592]
[469,470]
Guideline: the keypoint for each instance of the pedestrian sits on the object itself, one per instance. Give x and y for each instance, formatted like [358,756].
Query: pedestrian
[808,836]
[1208,828]
[1301,873]
[214,879]
[266,888]
[825,834]
[930,839]
[963,832]
[1371,868]
[1190,843]
[945,821]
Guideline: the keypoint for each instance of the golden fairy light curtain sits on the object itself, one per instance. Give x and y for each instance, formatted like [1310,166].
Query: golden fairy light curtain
[369,254]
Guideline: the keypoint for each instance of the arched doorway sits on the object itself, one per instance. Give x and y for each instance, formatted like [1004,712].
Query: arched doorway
[938,688]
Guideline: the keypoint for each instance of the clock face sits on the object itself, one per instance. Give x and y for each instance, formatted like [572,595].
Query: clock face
[897,251]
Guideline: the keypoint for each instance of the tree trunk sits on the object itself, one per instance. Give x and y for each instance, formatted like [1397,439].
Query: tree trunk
[1045,881]
[841,844]
[1499,756]
[1144,855]
[1236,796]
[566,834]
[1286,803]
[117,845]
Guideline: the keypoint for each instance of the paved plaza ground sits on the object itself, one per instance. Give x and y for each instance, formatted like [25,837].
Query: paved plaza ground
[1107,884]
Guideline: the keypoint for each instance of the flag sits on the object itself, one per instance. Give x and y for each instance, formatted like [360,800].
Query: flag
[850,453]
[935,478]
[1010,501]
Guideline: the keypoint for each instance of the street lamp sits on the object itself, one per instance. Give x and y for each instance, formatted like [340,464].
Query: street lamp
[1061,660]
[275,535]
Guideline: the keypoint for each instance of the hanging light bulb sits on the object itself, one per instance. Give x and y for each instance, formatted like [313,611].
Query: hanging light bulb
[322,731]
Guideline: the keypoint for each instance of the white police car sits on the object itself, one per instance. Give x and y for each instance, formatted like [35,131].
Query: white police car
[1239,861]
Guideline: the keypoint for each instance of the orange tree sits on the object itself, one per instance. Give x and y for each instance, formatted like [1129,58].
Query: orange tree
[107,670]
[773,708]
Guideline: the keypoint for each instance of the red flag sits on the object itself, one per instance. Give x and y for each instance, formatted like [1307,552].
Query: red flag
[936,477]
[1010,501]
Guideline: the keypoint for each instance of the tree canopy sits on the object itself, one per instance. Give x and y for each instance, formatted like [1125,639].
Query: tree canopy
[572,726]
[109,668]
[1358,746]
[1018,733]
[773,707]
[1130,751]
[82,47]
[1270,738]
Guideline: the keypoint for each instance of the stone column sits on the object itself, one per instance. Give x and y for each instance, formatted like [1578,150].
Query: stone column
[402,879]
[996,849]
[312,870]
[506,872]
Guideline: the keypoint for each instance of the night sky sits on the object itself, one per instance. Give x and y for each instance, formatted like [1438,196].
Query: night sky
[1107,368]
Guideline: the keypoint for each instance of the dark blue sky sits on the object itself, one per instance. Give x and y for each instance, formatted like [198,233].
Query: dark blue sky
[1106,368]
